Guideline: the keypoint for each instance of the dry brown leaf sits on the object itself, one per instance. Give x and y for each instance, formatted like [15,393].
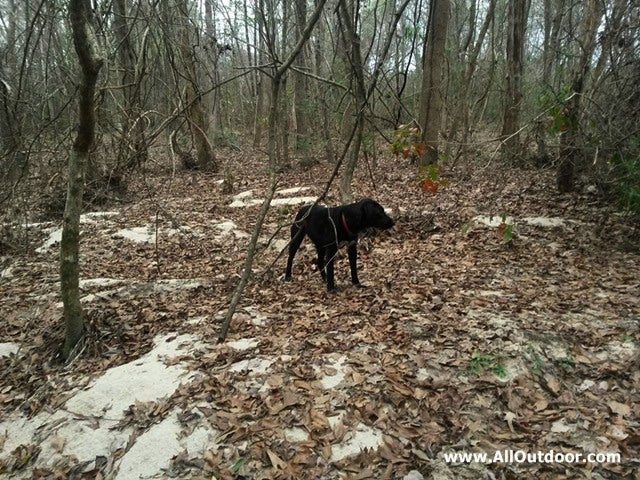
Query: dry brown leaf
[540,405]
[276,461]
[510,417]
[561,426]
[275,381]
[621,409]
[553,384]
[58,443]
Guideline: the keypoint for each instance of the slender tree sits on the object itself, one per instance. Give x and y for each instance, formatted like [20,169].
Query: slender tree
[86,47]
[276,75]
[301,88]
[133,148]
[433,81]
[348,12]
[197,116]
[570,145]
[461,117]
[517,23]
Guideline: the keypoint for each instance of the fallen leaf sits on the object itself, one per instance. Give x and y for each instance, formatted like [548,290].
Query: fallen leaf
[621,409]
[510,417]
[276,461]
[540,405]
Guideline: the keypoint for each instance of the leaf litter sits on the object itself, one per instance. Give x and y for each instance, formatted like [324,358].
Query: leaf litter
[461,342]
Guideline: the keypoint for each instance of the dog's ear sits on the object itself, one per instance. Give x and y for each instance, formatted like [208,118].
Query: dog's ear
[368,208]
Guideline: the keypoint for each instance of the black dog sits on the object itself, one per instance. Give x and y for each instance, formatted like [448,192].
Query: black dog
[329,227]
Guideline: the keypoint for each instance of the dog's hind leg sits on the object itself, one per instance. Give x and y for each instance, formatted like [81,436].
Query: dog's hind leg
[320,262]
[297,235]
[353,262]
[331,252]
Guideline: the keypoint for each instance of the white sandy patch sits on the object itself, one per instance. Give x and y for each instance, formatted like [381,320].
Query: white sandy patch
[101,282]
[277,244]
[247,198]
[243,344]
[173,284]
[542,222]
[296,434]
[363,437]
[137,234]
[332,380]
[79,437]
[143,380]
[291,191]
[545,222]
[93,217]
[257,318]
[246,203]
[229,227]
[83,427]
[8,348]
[152,451]
[292,201]
[54,238]
[243,195]
[256,366]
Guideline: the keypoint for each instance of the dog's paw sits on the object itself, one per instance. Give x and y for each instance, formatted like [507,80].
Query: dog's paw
[287,279]
[360,285]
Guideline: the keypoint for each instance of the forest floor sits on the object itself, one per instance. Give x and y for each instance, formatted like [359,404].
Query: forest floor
[462,342]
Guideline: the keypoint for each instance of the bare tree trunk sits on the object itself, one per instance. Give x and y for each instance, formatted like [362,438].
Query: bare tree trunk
[276,86]
[517,24]
[612,35]
[258,119]
[551,47]
[87,49]
[348,14]
[433,83]
[322,94]
[301,89]
[197,116]
[569,144]
[213,78]
[283,99]
[133,148]
[11,161]
[461,117]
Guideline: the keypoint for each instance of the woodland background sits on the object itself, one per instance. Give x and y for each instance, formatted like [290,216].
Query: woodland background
[549,81]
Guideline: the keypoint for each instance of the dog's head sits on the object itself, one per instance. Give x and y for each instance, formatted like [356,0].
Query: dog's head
[373,215]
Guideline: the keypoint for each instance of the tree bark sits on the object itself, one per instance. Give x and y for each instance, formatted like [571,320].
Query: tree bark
[569,143]
[433,81]
[517,24]
[347,14]
[258,118]
[461,117]
[86,48]
[197,116]
[277,75]
[301,88]
[133,148]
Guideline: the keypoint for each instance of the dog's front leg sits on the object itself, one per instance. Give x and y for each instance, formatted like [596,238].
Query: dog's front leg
[353,262]
[320,262]
[332,250]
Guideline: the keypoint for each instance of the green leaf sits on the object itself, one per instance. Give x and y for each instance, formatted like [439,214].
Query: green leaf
[508,233]
[241,462]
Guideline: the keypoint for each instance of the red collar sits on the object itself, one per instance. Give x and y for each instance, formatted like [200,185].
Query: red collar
[346,227]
